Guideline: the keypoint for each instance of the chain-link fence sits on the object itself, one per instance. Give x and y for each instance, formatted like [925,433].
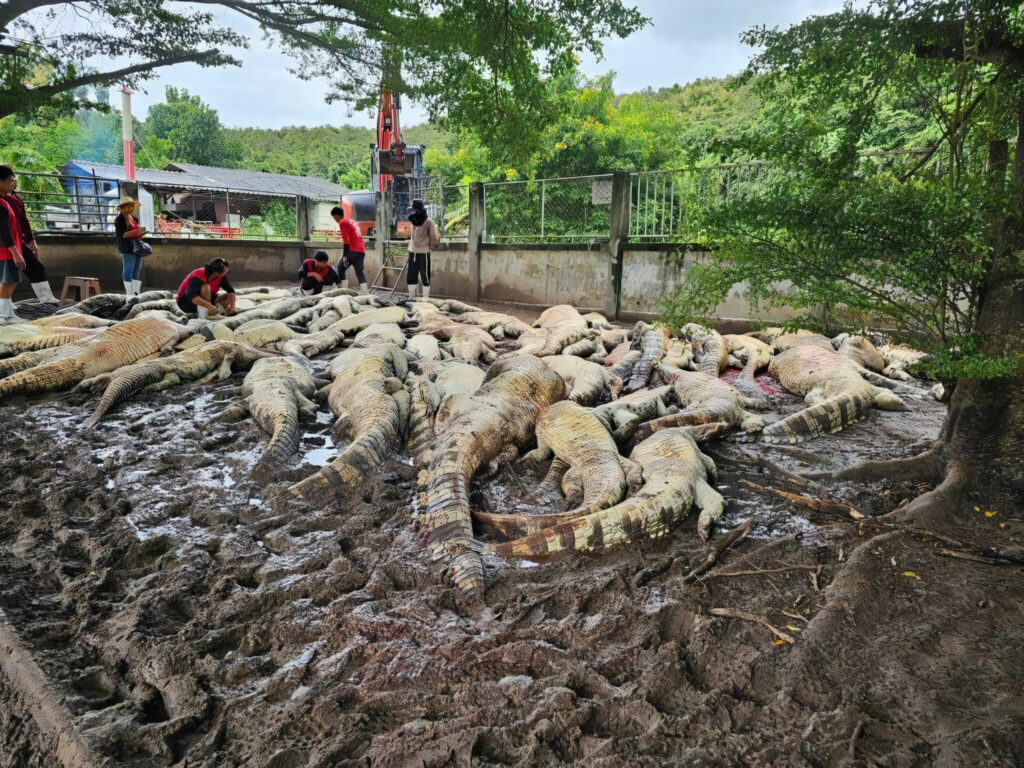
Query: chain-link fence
[669,205]
[566,210]
[59,203]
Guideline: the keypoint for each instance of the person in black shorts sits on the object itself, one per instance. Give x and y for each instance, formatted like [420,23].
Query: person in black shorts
[315,274]
[206,288]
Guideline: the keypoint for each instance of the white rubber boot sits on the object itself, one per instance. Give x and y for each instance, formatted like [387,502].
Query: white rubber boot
[7,316]
[137,287]
[43,292]
[426,291]
[344,283]
[129,287]
[412,291]
[202,313]
[362,288]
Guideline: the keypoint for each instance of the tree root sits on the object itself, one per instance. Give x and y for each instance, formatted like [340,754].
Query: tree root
[818,505]
[924,466]
[731,613]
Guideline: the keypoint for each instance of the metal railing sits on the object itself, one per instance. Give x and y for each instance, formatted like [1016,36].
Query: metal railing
[670,204]
[64,203]
[562,210]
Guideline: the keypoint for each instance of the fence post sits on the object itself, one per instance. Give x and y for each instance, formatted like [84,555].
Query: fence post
[618,234]
[476,225]
[303,221]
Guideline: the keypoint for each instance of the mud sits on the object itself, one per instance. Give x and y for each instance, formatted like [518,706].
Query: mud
[182,616]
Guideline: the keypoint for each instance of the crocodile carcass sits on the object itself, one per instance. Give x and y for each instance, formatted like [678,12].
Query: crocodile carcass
[15,339]
[860,350]
[437,387]
[372,407]
[215,360]
[675,478]
[593,474]
[710,350]
[261,333]
[556,328]
[652,341]
[491,427]
[705,399]
[749,353]
[500,326]
[315,343]
[624,416]
[276,392]
[835,387]
[588,382]
[121,344]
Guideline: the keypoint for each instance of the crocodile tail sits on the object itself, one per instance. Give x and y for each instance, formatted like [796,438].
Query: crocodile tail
[421,418]
[825,418]
[354,464]
[284,438]
[61,374]
[123,387]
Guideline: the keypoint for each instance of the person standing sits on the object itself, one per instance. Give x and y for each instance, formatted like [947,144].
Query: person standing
[12,262]
[355,252]
[34,270]
[425,238]
[316,273]
[128,231]
[206,288]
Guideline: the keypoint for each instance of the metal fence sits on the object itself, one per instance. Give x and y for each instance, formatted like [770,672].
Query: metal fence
[59,203]
[668,205]
[564,210]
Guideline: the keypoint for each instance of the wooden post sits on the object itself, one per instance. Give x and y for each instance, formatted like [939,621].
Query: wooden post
[477,224]
[618,235]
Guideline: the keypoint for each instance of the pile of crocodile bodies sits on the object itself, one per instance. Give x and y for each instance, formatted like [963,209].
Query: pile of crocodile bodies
[615,416]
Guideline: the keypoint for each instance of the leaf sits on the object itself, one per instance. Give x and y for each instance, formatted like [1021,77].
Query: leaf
[776,643]
[910,575]
[791,628]
[991,513]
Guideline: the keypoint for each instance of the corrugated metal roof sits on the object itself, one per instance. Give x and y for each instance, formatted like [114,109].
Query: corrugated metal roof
[189,175]
[258,181]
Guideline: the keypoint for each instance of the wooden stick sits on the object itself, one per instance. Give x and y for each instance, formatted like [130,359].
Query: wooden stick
[730,613]
[725,541]
[818,505]
[757,572]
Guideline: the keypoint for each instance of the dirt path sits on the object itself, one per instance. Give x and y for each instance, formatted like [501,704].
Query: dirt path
[183,616]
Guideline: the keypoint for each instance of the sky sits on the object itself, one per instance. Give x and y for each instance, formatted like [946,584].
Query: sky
[686,40]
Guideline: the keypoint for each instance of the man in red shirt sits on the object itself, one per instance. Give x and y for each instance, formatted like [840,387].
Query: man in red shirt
[355,251]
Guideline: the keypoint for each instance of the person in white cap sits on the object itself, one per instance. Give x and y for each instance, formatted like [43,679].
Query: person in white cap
[12,262]
[423,240]
[127,230]
[34,270]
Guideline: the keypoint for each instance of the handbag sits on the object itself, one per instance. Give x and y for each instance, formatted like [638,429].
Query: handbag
[142,248]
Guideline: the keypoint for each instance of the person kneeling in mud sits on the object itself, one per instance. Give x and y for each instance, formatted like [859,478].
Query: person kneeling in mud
[316,273]
[206,288]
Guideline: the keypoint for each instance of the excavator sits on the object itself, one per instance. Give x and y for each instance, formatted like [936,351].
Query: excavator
[394,166]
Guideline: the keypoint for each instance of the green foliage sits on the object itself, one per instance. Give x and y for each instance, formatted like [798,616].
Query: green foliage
[967,361]
[274,220]
[193,130]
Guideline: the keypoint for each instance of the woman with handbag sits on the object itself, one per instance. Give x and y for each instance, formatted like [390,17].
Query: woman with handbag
[130,245]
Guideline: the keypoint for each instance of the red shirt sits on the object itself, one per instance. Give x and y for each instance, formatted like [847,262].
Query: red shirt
[7,254]
[311,266]
[350,236]
[200,274]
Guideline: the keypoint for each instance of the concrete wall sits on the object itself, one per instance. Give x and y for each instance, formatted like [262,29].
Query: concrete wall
[548,274]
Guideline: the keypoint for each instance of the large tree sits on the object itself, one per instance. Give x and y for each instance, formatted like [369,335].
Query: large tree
[482,63]
[932,239]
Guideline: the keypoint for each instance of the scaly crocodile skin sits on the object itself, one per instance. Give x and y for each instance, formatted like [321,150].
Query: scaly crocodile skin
[216,357]
[262,333]
[897,357]
[268,310]
[429,391]
[711,351]
[675,475]
[501,419]
[555,329]
[753,354]
[833,385]
[118,345]
[652,341]
[624,416]
[372,407]
[470,349]
[597,476]
[587,382]
[498,325]
[167,305]
[704,399]
[424,346]
[106,303]
[27,360]
[860,350]
[33,339]
[315,343]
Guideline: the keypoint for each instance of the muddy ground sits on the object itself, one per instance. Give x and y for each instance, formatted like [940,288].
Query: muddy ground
[181,616]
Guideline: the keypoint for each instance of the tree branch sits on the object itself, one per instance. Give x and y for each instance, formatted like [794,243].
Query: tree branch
[117,74]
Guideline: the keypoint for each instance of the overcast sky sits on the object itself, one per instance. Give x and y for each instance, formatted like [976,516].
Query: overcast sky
[686,40]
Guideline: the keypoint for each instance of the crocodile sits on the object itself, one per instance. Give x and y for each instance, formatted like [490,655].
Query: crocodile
[168,305]
[313,344]
[624,416]
[29,338]
[556,328]
[262,333]
[595,475]
[469,348]
[587,382]
[324,321]
[617,353]
[276,392]
[495,422]
[613,338]
[72,321]
[302,318]
[652,341]
[424,346]
[598,321]
[897,357]
[834,386]
[432,392]
[268,310]
[380,332]
[675,478]
[497,324]
[679,354]
[452,306]
[705,399]
[121,344]
[215,360]
[354,323]
[800,337]
[103,304]
[583,348]
[710,350]
[27,360]
[620,372]
[860,350]
[752,354]
[372,406]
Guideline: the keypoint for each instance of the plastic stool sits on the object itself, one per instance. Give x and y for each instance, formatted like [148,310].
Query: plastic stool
[86,286]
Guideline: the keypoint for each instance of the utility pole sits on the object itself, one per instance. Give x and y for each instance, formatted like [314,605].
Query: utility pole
[126,134]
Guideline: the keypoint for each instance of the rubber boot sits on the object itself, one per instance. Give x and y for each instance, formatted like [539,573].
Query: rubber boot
[43,292]
[129,287]
[7,316]
[412,291]
[426,291]
[137,287]
[343,283]
[202,313]
[362,288]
